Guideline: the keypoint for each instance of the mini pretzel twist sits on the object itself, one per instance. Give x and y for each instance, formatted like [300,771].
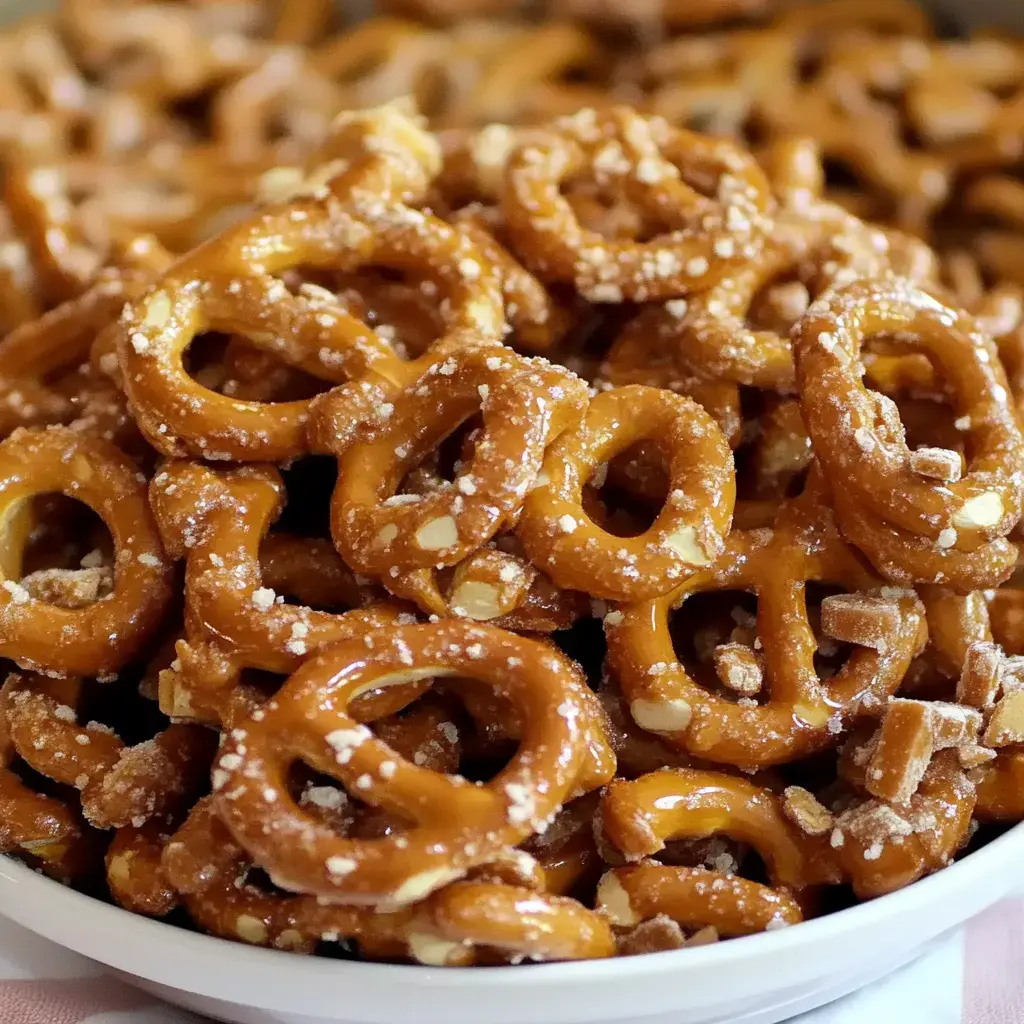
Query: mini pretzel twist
[103,636]
[43,829]
[234,621]
[688,533]
[525,404]
[563,750]
[652,163]
[639,817]
[119,785]
[694,898]
[802,712]
[912,528]
[243,295]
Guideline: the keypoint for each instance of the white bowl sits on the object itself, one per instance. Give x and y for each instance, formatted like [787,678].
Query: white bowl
[753,980]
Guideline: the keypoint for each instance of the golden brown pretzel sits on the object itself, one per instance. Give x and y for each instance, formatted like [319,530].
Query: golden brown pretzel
[911,528]
[639,817]
[563,743]
[43,829]
[119,785]
[688,533]
[651,162]
[694,898]
[803,712]
[381,532]
[102,637]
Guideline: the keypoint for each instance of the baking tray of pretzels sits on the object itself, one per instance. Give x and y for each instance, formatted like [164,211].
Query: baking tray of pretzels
[485,486]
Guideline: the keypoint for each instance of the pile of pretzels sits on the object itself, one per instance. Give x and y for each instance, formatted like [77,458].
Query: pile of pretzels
[464,541]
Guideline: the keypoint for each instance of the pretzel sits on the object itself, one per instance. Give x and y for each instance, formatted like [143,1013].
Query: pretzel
[639,817]
[42,829]
[882,847]
[694,898]
[519,922]
[802,713]
[103,636]
[688,533]
[909,527]
[650,161]
[570,753]
[119,785]
[249,300]
[53,345]
[234,621]
[209,870]
[712,332]
[380,532]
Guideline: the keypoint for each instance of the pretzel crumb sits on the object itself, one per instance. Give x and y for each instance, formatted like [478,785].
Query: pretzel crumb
[653,936]
[739,668]
[1006,724]
[803,809]
[981,676]
[936,464]
[69,588]
[861,619]
[905,746]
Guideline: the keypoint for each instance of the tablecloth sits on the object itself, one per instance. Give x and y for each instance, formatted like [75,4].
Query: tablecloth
[972,977]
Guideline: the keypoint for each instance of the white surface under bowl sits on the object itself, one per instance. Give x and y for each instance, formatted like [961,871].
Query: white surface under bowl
[755,980]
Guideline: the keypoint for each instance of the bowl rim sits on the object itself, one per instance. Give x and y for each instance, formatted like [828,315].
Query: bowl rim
[109,919]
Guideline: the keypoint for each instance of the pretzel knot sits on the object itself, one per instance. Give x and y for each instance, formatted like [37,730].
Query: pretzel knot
[233,620]
[653,165]
[525,404]
[802,713]
[689,531]
[563,751]
[103,636]
[230,284]
[912,526]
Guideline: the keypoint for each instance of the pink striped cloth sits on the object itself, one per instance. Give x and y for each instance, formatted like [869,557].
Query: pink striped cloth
[973,977]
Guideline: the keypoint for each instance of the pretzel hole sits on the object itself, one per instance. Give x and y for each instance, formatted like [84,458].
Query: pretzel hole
[309,483]
[404,310]
[702,627]
[68,554]
[625,495]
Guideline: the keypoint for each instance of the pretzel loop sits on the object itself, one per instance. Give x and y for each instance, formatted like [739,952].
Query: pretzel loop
[458,825]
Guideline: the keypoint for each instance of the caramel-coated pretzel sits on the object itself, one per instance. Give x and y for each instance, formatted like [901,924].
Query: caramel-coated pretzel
[104,636]
[562,743]
[119,785]
[234,621]
[525,405]
[688,533]
[694,898]
[911,528]
[639,817]
[43,829]
[651,162]
[802,713]
[243,296]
